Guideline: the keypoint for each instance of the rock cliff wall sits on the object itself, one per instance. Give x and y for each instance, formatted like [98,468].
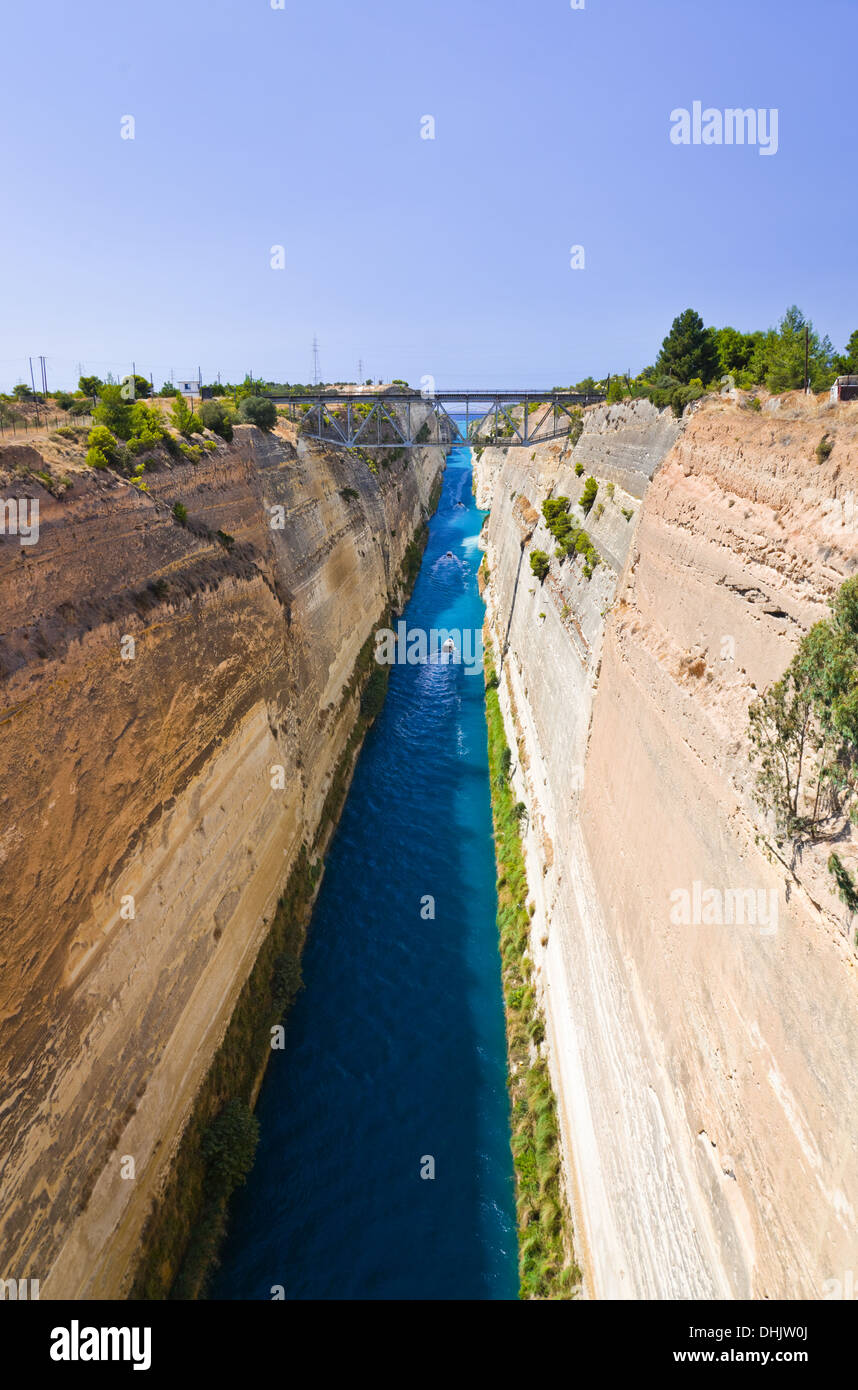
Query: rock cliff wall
[705,1069]
[144,833]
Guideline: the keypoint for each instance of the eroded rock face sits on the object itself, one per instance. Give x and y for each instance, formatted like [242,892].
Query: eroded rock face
[705,1067]
[144,833]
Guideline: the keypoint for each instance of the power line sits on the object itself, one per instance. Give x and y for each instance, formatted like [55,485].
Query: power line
[315,360]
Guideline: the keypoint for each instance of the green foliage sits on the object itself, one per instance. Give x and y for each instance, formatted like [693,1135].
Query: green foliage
[547,1268]
[372,697]
[256,410]
[180,512]
[168,389]
[588,496]
[540,564]
[846,364]
[102,450]
[781,356]
[183,418]
[571,539]
[804,728]
[823,449]
[579,469]
[63,400]
[736,352]
[616,391]
[688,351]
[114,412]
[286,980]
[90,385]
[217,417]
[229,1147]
[846,889]
[576,427]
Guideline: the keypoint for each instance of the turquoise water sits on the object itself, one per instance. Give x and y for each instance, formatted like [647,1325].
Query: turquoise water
[395,1048]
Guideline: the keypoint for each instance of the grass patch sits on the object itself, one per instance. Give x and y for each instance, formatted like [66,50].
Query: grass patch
[546,1260]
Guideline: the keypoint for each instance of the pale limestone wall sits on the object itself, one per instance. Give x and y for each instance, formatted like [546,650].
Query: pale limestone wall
[151,778]
[705,1074]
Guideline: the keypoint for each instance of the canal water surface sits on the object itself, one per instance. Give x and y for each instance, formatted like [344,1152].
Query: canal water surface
[395,1049]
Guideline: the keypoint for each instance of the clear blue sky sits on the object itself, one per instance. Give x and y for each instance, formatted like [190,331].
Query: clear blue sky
[301,126]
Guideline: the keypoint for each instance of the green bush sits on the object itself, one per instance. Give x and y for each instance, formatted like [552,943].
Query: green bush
[229,1147]
[63,400]
[256,410]
[824,448]
[286,981]
[588,496]
[217,417]
[579,469]
[540,564]
[180,512]
[114,412]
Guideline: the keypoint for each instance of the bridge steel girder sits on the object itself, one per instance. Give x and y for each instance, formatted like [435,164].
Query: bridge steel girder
[320,423]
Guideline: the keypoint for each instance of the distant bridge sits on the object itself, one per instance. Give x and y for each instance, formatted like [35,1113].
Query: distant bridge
[392,419]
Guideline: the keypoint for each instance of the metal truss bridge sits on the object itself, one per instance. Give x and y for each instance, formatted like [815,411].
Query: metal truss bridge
[401,420]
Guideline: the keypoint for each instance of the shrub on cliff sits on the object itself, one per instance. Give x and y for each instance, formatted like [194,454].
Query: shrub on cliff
[804,728]
[588,496]
[540,564]
[229,1147]
[101,452]
[286,981]
[218,418]
[256,410]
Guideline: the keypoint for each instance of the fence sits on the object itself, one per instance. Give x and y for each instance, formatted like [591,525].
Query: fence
[10,429]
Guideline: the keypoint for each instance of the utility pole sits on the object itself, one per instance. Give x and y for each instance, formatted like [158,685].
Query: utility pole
[44,377]
[806,358]
[360,371]
[315,360]
[32,378]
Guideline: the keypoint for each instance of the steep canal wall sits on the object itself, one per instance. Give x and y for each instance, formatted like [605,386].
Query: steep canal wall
[180,676]
[703,1066]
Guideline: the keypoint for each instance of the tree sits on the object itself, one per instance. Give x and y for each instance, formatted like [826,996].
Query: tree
[257,410]
[114,411]
[688,351]
[89,385]
[229,1147]
[183,418]
[846,363]
[22,392]
[735,350]
[217,417]
[804,728]
[142,387]
[785,351]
